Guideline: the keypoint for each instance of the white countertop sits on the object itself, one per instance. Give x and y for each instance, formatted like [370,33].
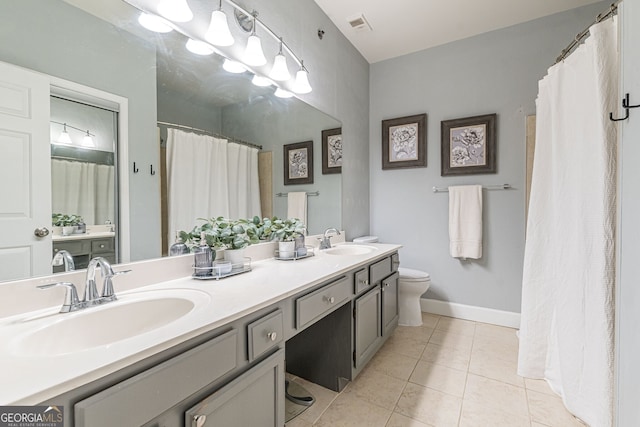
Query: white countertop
[81,236]
[31,379]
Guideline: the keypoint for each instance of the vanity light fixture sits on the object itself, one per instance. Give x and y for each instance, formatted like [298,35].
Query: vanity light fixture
[154,23]
[253,54]
[301,85]
[233,66]
[280,71]
[218,33]
[281,93]
[199,48]
[261,81]
[175,10]
[64,137]
[87,141]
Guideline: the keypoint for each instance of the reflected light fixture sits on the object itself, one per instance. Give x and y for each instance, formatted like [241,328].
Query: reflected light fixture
[199,48]
[280,71]
[87,141]
[64,137]
[175,10]
[261,81]
[281,93]
[218,33]
[253,54]
[301,85]
[233,66]
[154,23]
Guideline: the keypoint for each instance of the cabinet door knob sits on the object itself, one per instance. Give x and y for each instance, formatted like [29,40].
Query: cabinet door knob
[199,420]
[272,336]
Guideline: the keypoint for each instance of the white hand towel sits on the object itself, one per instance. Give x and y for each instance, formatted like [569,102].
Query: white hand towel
[465,221]
[297,205]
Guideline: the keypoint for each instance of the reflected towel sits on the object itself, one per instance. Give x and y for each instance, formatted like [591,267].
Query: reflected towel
[465,221]
[297,205]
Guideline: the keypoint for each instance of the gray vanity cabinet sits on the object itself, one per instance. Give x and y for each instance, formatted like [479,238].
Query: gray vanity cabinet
[254,399]
[389,288]
[367,326]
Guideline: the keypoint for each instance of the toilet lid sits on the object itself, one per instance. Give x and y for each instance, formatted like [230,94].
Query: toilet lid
[410,275]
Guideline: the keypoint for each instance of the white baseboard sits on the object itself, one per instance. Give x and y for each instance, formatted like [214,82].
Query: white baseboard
[469,312]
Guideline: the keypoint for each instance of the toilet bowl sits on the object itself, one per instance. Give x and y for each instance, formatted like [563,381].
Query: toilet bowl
[411,285]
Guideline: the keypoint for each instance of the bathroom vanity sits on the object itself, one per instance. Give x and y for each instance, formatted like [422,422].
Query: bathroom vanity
[223,363]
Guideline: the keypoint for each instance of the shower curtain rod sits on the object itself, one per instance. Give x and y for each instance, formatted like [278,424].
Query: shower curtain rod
[208,132]
[584,33]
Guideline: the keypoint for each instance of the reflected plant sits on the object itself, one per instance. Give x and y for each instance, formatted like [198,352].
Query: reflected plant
[64,220]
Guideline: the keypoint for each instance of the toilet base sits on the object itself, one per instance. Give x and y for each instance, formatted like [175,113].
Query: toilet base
[410,312]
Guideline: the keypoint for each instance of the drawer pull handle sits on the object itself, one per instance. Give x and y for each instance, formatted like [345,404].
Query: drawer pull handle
[199,420]
[272,336]
[102,246]
[365,282]
[331,300]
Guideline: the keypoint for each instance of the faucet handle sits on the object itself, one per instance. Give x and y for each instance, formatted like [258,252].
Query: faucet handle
[107,290]
[71,301]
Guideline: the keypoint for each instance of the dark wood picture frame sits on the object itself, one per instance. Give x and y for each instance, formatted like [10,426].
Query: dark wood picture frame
[332,151]
[298,163]
[404,142]
[469,145]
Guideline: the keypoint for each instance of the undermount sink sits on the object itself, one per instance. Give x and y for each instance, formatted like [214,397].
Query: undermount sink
[132,314]
[350,250]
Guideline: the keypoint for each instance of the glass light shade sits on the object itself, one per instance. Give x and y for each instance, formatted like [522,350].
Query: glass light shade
[218,33]
[233,66]
[301,84]
[199,48]
[261,81]
[253,54]
[87,141]
[281,93]
[175,10]
[154,23]
[64,137]
[280,72]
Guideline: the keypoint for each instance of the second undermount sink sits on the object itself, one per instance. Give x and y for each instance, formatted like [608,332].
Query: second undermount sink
[131,315]
[346,249]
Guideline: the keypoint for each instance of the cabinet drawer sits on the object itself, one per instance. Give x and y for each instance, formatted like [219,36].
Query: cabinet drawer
[144,396]
[361,280]
[264,334]
[74,247]
[379,270]
[102,245]
[313,306]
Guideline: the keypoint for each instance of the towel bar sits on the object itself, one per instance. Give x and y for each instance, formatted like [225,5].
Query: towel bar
[484,187]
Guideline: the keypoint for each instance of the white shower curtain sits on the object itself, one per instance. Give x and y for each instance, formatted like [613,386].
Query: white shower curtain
[85,189]
[209,177]
[567,324]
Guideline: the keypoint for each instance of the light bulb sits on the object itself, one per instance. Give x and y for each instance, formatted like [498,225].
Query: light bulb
[87,141]
[253,54]
[281,93]
[175,10]
[233,66]
[64,137]
[280,72]
[218,33]
[261,81]
[301,85]
[199,48]
[154,23]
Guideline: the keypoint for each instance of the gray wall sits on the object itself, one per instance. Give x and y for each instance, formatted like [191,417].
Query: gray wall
[47,36]
[496,72]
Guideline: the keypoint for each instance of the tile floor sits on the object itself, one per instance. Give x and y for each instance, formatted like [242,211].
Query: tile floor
[448,372]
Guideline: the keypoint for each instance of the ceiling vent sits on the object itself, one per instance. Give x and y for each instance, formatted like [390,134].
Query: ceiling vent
[360,23]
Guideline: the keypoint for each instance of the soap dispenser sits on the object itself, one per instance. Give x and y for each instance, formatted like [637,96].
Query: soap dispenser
[179,247]
[203,258]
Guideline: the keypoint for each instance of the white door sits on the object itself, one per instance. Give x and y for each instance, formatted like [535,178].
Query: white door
[25,173]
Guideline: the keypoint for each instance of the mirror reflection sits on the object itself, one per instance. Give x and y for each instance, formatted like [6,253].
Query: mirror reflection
[162,82]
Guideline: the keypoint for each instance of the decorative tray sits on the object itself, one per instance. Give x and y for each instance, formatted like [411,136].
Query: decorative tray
[221,271]
[307,254]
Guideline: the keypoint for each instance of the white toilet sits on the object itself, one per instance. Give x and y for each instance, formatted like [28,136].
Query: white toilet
[411,285]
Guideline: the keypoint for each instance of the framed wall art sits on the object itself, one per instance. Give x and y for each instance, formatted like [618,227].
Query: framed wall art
[404,142]
[332,151]
[298,163]
[469,145]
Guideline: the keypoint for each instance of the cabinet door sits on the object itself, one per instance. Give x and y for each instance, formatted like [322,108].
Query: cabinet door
[390,304]
[255,399]
[367,325]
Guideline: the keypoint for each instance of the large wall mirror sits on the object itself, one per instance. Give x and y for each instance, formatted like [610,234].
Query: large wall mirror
[99,44]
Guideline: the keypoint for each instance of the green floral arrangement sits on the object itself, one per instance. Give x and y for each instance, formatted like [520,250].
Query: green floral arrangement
[64,220]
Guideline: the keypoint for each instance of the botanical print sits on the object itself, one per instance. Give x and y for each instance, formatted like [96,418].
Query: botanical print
[335,151]
[298,163]
[403,142]
[468,146]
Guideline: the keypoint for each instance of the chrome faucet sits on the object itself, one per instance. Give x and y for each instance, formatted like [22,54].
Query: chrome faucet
[63,257]
[325,243]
